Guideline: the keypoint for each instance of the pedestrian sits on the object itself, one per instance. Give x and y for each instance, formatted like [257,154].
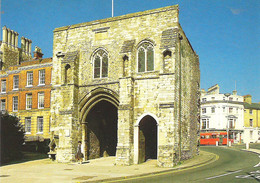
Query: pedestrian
[79,155]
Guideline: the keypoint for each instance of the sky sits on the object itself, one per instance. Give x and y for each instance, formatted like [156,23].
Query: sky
[225,34]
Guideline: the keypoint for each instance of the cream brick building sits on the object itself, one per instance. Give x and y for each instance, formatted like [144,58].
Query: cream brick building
[126,86]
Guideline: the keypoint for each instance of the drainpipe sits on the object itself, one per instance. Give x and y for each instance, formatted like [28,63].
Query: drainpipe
[180,38]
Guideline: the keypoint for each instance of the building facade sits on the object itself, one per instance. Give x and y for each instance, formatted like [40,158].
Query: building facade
[222,112]
[125,86]
[26,86]
[251,120]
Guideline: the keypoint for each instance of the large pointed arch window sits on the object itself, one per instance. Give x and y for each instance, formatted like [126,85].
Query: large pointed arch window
[100,64]
[145,57]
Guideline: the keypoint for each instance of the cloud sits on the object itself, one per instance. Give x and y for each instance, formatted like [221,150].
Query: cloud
[236,11]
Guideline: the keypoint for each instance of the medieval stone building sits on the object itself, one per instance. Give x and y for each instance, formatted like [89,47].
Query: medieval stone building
[125,86]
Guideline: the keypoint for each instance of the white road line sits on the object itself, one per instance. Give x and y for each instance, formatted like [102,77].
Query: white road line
[223,174]
[257,165]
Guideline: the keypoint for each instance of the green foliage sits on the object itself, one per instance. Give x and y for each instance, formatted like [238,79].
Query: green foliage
[12,138]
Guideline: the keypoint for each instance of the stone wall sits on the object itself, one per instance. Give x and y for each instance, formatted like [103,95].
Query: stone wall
[136,94]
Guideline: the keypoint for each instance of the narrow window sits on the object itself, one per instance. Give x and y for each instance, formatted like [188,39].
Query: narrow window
[231,123]
[3,105]
[40,124]
[230,110]
[15,103]
[29,78]
[212,109]
[223,109]
[204,99]
[42,77]
[145,57]
[100,64]
[15,82]
[40,100]
[250,111]
[3,86]
[205,123]
[28,125]
[204,110]
[251,122]
[28,101]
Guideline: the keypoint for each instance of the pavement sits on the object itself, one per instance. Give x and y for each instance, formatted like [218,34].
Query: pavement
[97,170]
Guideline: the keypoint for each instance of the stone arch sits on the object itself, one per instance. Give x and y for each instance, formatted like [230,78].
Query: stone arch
[98,112]
[167,53]
[95,96]
[139,154]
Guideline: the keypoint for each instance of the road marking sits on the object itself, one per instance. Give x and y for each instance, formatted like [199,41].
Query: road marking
[257,165]
[223,174]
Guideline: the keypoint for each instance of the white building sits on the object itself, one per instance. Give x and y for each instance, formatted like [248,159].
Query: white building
[222,112]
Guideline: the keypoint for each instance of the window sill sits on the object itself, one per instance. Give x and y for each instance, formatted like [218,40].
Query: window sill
[3,92]
[40,107]
[29,86]
[15,89]
[28,108]
[39,133]
[41,84]
[28,133]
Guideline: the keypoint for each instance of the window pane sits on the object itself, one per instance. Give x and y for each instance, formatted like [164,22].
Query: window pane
[141,60]
[15,103]
[97,67]
[150,59]
[16,82]
[42,77]
[29,78]
[28,101]
[2,105]
[41,100]
[3,86]
[104,66]
[40,124]
[27,124]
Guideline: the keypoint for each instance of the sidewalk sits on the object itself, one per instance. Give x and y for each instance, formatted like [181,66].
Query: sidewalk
[257,151]
[42,171]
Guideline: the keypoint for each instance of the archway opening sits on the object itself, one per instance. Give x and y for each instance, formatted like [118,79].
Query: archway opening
[147,139]
[101,130]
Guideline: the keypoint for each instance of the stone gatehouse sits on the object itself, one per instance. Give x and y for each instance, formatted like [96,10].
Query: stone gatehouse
[126,86]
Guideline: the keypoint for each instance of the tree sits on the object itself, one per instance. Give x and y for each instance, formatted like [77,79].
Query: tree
[12,138]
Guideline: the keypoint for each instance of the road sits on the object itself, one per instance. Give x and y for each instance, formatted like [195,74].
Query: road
[232,166]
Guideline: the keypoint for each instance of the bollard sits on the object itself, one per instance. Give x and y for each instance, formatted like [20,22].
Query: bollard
[247,145]
[229,143]
[216,143]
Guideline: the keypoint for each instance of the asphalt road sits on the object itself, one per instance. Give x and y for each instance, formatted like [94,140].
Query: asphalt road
[232,166]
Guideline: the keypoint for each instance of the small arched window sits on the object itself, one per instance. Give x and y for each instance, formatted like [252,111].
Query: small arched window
[145,57]
[100,64]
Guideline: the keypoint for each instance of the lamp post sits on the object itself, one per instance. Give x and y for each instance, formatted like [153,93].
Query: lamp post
[227,95]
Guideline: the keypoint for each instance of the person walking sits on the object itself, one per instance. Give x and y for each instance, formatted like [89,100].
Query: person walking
[79,155]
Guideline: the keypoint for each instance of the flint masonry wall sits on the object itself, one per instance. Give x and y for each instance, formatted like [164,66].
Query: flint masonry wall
[135,94]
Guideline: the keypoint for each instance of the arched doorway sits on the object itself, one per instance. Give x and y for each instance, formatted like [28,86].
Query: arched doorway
[101,130]
[147,139]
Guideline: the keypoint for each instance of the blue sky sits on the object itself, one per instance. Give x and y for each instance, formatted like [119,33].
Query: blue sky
[225,34]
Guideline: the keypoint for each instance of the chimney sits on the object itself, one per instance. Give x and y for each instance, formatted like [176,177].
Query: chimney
[37,53]
[234,92]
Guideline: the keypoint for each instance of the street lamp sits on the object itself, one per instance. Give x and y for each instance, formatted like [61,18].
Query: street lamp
[227,95]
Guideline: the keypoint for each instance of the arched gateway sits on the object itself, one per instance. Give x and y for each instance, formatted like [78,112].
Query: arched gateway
[99,118]
[125,91]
